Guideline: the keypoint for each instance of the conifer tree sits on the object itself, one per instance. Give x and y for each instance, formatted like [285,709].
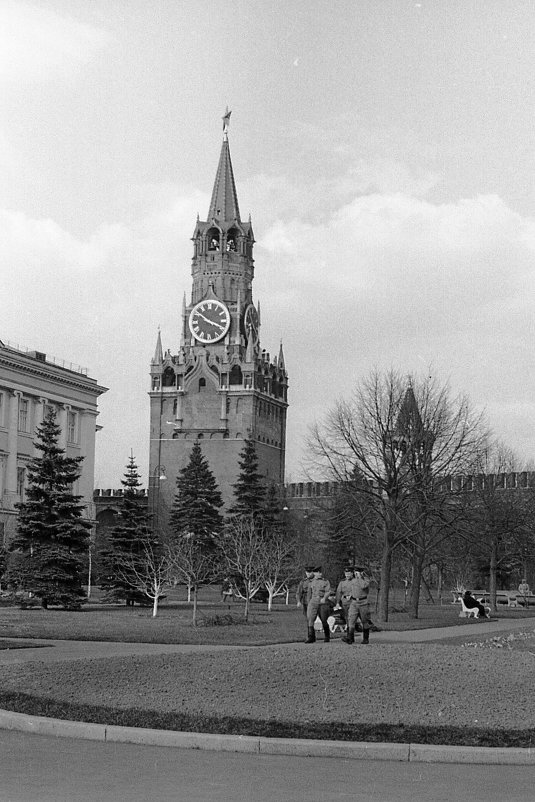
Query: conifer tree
[128,540]
[52,538]
[249,488]
[195,512]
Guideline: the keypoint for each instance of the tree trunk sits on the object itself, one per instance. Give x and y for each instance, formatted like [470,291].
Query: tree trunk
[89,571]
[493,562]
[270,600]
[417,566]
[195,597]
[384,583]
[439,583]
[155,605]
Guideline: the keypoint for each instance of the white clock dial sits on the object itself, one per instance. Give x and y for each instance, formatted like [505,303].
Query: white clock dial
[209,321]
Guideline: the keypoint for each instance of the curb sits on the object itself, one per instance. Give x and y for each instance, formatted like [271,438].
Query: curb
[407,753]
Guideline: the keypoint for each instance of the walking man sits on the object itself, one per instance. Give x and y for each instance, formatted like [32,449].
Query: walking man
[319,591]
[301,595]
[344,591]
[358,605]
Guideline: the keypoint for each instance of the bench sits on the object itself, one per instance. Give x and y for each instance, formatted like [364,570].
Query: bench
[335,624]
[471,612]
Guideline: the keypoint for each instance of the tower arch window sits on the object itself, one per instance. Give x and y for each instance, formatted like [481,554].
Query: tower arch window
[202,383]
[235,376]
[214,239]
[232,240]
[168,378]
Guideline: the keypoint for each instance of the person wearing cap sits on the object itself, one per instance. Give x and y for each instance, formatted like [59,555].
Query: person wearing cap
[344,590]
[319,591]
[358,605]
[301,595]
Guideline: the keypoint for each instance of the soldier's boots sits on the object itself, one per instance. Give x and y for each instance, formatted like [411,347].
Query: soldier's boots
[365,635]
[311,636]
[350,636]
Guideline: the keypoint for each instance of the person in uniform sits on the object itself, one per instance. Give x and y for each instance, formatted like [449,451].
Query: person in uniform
[319,591]
[343,591]
[301,595]
[358,606]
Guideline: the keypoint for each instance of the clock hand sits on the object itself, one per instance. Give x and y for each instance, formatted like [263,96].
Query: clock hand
[211,322]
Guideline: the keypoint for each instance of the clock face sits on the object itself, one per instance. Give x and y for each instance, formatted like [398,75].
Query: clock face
[209,321]
[250,322]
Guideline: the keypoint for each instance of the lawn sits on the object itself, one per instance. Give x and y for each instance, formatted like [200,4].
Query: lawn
[219,623]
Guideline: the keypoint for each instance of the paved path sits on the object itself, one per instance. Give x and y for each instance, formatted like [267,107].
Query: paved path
[58,650]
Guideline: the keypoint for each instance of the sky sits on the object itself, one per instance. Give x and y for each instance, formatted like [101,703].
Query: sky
[384,149]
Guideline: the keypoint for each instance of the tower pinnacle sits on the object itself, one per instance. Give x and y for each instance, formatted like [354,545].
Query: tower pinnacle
[224,203]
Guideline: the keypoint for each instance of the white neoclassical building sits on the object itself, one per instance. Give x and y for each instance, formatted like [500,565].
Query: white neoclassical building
[30,384]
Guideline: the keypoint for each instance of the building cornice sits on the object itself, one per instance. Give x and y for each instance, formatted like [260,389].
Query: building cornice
[52,373]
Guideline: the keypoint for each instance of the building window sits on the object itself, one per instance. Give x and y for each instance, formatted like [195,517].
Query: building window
[72,433]
[23,414]
[21,476]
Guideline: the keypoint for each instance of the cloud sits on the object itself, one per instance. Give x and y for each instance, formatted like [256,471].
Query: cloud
[386,279]
[394,280]
[97,302]
[37,44]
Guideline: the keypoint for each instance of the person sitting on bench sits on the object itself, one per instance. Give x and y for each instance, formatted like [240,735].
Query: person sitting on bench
[470,603]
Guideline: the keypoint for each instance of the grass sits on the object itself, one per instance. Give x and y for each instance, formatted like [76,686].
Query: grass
[284,624]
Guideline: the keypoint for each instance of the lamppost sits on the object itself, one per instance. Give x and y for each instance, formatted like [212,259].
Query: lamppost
[158,477]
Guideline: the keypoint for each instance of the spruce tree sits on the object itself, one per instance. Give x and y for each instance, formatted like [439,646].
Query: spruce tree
[127,540]
[52,538]
[195,510]
[249,488]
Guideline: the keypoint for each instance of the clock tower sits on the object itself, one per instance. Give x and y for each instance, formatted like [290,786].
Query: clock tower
[220,387]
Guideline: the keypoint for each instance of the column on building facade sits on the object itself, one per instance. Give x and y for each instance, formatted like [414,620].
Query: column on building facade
[224,414]
[179,414]
[64,409]
[12,443]
[39,418]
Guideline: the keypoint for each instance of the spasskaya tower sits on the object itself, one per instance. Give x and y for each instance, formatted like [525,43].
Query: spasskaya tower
[221,387]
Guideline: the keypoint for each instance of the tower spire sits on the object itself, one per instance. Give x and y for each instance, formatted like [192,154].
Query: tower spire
[224,203]
[158,351]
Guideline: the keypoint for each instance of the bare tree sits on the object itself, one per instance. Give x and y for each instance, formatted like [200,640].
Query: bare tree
[499,517]
[401,436]
[194,564]
[242,549]
[277,553]
[149,573]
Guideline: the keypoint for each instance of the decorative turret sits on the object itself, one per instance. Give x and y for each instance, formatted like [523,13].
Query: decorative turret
[158,351]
